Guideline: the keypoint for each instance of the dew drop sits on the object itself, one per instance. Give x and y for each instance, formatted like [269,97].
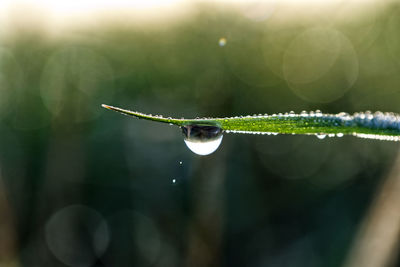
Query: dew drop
[202,139]
[339,134]
[321,136]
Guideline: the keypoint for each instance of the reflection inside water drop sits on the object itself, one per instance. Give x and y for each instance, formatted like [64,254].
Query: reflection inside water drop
[202,139]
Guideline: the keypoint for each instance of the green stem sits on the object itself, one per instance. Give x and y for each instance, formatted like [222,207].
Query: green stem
[384,126]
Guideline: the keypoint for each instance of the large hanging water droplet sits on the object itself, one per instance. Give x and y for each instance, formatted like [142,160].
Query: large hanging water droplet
[202,139]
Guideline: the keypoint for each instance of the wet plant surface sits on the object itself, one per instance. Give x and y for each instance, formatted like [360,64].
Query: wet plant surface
[203,136]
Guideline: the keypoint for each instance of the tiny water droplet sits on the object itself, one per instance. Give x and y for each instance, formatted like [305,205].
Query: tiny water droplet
[202,139]
[180,162]
[343,114]
[222,41]
[321,136]
[174,181]
[339,134]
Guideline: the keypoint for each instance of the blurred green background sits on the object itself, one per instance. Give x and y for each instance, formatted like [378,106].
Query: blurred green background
[83,186]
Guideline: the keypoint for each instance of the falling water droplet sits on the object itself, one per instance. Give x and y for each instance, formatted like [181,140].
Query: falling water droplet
[321,136]
[202,139]
[180,162]
[174,181]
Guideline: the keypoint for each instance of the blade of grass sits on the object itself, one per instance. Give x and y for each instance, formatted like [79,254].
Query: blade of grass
[382,126]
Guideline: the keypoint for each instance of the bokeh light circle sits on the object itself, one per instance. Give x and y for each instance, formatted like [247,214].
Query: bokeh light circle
[320,65]
[77,235]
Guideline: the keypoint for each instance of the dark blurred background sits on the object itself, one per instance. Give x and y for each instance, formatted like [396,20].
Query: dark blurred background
[84,186]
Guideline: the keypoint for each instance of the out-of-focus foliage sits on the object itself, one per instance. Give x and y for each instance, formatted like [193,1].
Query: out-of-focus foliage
[81,186]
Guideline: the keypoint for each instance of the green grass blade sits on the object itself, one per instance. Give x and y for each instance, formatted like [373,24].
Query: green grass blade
[179,122]
[382,126]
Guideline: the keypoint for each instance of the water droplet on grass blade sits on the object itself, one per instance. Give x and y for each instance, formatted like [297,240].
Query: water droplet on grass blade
[202,139]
